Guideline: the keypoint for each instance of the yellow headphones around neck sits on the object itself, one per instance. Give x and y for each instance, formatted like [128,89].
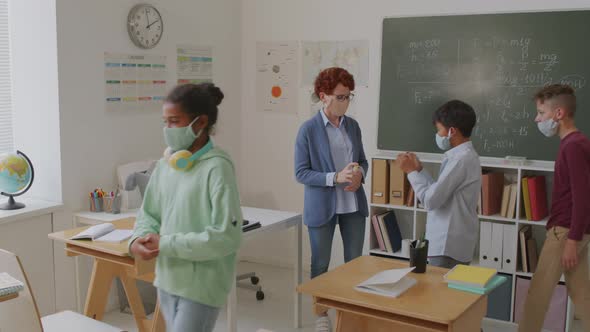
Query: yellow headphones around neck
[183,160]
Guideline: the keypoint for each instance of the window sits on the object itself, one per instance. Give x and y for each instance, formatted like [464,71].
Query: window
[6,134]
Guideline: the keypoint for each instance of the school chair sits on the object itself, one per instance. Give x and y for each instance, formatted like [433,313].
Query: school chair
[22,315]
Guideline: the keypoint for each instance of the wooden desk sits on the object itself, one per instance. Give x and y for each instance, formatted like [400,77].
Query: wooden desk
[117,261]
[8,297]
[112,260]
[428,306]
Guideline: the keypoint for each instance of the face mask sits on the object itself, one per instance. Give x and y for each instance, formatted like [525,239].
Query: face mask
[548,127]
[444,143]
[181,138]
[338,108]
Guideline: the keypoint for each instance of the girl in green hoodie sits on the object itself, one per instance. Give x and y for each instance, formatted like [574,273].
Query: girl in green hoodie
[191,217]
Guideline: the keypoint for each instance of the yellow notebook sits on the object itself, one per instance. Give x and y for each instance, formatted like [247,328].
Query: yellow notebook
[526,199]
[466,275]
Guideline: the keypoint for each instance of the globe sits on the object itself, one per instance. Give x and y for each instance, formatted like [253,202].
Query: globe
[16,177]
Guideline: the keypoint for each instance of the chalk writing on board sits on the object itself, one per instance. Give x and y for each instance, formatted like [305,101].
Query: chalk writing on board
[507,69]
[575,81]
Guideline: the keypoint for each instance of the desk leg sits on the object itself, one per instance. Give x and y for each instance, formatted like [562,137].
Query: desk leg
[158,320]
[77,279]
[130,286]
[77,274]
[232,312]
[298,274]
[98,289]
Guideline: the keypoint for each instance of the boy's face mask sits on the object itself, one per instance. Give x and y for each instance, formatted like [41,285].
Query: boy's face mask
[548,127]
[443,143]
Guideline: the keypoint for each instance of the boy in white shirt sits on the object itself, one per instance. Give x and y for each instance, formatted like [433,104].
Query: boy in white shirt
[451,201]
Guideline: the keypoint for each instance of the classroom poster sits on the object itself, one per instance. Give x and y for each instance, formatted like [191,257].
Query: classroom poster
[276,76]
[194,64]
[352,55]
[134,82]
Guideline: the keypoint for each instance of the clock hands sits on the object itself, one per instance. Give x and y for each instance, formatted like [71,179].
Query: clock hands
[149,25]
[147,17]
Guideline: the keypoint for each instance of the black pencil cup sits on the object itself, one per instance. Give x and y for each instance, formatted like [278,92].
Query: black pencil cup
[418,256]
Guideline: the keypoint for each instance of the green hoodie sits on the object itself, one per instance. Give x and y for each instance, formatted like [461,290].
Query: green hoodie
[198,216]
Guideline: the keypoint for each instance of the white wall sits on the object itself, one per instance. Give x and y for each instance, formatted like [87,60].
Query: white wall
[268,139]
[93,141]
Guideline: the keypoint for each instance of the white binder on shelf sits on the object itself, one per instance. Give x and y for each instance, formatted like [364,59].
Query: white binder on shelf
[485,244]
[496,246]
[509,249]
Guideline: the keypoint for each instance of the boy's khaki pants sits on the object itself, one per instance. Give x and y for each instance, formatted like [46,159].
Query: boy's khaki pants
[548,273]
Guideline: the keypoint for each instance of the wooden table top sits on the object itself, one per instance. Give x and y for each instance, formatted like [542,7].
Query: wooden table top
[430,299]
[117,249]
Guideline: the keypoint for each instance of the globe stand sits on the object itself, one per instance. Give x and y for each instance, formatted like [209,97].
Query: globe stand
[11,204]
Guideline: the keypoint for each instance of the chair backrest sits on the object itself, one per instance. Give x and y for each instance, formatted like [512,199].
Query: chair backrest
[19,314]
[132,199]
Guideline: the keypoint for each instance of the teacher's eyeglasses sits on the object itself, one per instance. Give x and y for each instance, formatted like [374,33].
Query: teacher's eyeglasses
[343,98]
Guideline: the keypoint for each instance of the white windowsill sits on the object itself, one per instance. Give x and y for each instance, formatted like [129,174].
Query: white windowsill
[33,208]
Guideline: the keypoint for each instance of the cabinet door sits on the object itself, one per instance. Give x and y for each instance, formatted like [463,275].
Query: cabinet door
[557,313]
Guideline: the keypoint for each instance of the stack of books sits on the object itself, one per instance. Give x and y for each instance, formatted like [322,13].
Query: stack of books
[9,285]
[473,279]
[387,232]
[534,198]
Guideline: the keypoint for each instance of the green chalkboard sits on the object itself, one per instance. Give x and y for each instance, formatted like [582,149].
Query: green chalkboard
[493,62]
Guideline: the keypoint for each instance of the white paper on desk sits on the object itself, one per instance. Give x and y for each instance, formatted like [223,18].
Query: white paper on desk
[94,232]
[116,236]
[390,283]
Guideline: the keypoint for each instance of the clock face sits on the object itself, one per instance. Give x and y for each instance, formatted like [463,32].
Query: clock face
[145,25]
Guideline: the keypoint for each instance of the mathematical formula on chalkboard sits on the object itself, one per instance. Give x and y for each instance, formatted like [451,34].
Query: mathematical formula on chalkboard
[494,66]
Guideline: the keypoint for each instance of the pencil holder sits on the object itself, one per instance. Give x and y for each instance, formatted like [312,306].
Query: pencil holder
[116,206]
[96,204]
[418,256]
[107,204]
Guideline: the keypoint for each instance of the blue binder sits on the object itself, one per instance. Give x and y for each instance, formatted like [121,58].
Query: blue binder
[395,236]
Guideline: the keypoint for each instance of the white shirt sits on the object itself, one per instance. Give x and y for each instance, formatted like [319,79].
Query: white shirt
[452,226]
[341,151]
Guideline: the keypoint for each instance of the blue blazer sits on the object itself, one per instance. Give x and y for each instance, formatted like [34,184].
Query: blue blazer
[313,161]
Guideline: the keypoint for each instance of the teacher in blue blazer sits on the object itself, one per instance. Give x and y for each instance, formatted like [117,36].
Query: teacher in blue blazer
[330,161]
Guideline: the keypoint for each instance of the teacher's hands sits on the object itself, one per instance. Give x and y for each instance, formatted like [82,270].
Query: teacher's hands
[346,175]
[351,175]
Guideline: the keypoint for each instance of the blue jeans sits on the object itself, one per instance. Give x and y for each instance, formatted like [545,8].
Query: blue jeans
[352,230]
[184,315]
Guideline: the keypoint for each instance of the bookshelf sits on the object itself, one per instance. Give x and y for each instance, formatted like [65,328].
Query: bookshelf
[412,219]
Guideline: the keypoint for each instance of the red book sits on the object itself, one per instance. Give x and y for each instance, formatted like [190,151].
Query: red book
[538,197]
[492,187]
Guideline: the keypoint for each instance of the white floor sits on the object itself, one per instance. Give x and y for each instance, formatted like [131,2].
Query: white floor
[275,312]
